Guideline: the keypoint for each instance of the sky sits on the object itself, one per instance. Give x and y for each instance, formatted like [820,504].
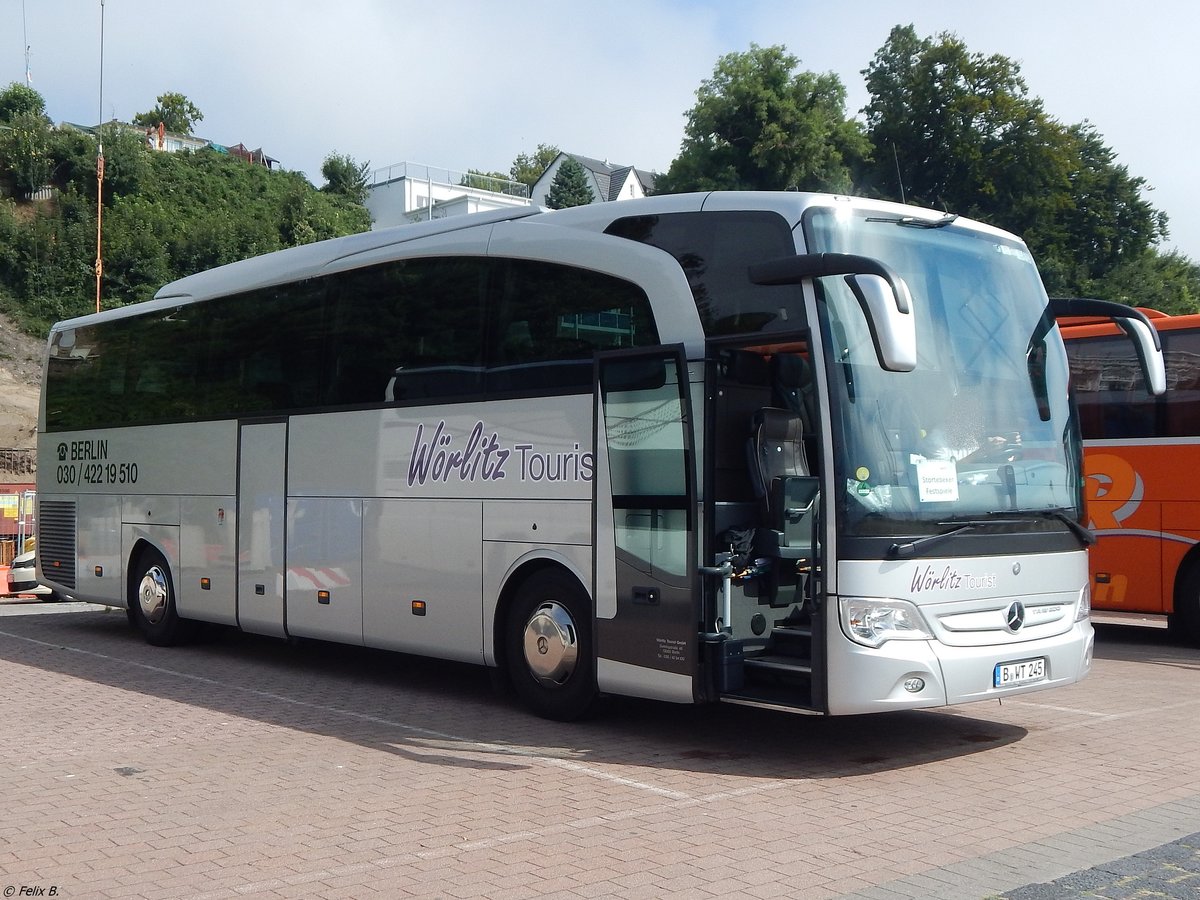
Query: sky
[470,84]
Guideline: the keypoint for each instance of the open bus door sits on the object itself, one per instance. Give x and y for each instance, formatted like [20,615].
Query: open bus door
[645,573]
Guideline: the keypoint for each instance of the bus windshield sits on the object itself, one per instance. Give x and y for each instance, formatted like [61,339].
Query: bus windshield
[982,428]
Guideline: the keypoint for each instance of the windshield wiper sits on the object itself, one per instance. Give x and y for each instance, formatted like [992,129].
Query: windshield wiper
[909,549]
[997,517]
[914,222]
[1084,534]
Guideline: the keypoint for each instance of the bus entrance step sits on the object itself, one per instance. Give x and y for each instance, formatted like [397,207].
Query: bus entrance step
[778,664]
[791,642]
[793,630]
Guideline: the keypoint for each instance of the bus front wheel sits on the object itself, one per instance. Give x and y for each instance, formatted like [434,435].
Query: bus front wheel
[551,662]
[152,603]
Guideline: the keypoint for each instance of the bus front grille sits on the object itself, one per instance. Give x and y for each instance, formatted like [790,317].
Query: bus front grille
[56,541]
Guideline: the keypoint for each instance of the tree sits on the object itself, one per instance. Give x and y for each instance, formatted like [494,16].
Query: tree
[345,178]
[527,169]
[1168,282]
[758,124]
[18,99]
[25,160]
[175,112]
[1107,221]
[126,163]
[570,186]
[952,124]
[960,131]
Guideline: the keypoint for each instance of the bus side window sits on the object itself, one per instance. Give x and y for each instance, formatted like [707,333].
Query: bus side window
[1109,391]
[548,320]
[1182,351]
[408,331]
[85,377]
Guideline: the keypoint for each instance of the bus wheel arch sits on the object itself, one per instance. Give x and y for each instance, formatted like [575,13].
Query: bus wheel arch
[150,598]
[544,640]
[1184,621]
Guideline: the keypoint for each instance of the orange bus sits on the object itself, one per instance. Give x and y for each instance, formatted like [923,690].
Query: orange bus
[1141,456]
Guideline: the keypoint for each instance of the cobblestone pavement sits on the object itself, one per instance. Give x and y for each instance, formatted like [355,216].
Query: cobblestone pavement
[246,767]
[1172,870]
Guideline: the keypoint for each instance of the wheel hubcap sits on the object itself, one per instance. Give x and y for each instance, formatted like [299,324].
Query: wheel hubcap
[152,595]
[551,644]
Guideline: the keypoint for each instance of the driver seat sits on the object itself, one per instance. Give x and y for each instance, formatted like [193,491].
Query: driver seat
[779,470]
[777,442]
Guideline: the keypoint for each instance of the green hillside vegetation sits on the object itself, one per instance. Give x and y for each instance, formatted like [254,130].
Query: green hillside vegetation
[165,215]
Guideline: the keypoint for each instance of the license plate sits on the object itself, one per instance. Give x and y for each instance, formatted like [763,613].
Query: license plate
[1023,672]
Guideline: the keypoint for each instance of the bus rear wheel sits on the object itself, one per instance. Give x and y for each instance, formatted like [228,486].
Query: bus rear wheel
[548,643]
[152,603]
[1184,622]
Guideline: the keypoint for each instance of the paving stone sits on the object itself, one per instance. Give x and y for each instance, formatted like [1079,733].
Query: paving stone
[244,766]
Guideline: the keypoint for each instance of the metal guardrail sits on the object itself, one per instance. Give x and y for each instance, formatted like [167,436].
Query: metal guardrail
[15,461]
[474,180]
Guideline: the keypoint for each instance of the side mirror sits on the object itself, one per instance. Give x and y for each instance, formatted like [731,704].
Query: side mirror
[881,292]
[1149,352]
[1134,323]
[888,308]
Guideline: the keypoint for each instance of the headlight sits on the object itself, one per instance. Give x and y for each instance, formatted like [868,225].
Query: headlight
[872,622]
[1084,610]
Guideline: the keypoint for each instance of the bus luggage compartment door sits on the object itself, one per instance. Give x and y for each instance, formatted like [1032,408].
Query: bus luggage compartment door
[261,522]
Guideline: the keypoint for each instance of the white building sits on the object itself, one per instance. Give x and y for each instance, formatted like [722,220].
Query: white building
[410,192]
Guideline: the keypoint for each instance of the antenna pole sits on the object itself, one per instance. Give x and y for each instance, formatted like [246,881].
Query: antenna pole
[25,35]
[100,166]
[896,159]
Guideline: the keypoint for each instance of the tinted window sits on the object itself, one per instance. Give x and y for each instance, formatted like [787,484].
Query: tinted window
[408,331]
[85,377]
[1106,380]
[1182,400]
[1111,393]
[548,320]
[715,249]
[249,354]
[1109,390]
[257,353]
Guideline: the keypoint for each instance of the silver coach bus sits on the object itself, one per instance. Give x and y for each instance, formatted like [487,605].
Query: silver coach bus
[799,451]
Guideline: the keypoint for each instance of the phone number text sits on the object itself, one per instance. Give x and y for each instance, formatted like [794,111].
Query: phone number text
[97,473]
